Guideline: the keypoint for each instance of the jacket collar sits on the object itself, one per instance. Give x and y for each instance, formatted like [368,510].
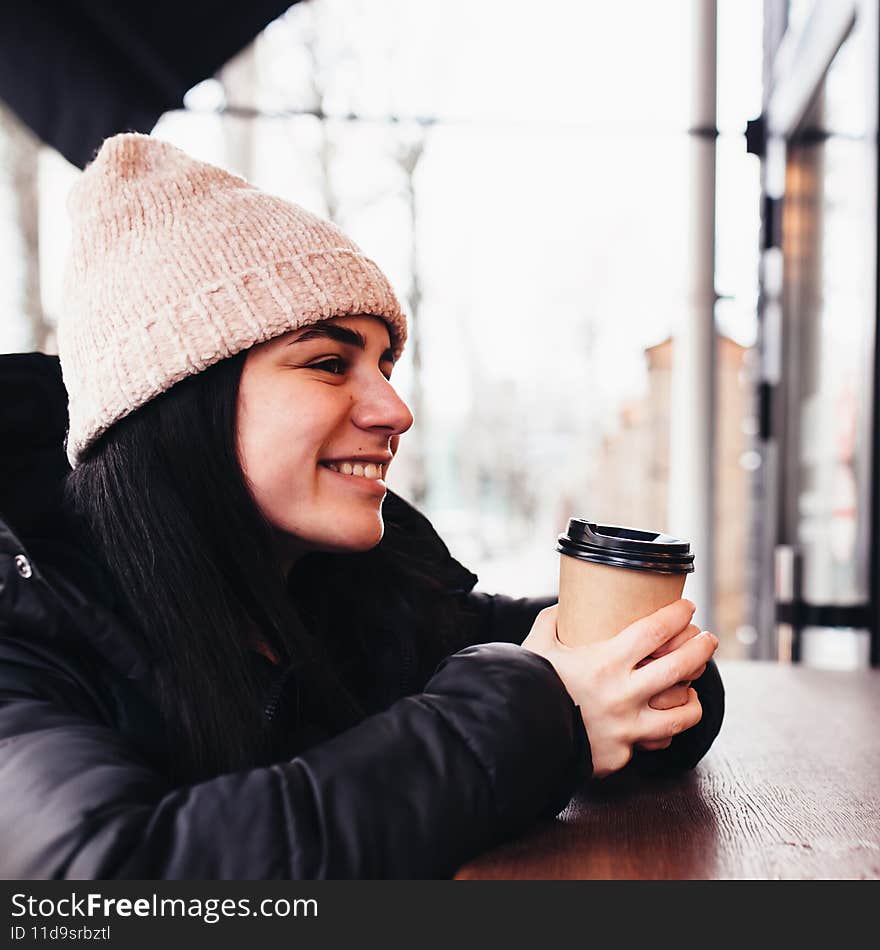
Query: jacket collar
[63,580]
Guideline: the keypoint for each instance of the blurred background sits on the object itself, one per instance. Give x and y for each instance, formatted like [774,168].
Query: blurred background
[637,243]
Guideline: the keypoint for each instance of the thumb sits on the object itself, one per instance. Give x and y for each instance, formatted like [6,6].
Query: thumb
[543,632]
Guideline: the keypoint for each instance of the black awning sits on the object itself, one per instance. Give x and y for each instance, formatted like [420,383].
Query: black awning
[77,71]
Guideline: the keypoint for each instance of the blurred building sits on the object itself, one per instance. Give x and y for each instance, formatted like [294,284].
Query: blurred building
[636,451]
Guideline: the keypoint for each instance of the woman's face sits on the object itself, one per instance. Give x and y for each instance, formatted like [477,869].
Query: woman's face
[314,398]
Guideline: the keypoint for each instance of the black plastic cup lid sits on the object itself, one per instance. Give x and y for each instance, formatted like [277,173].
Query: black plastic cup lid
[617,546]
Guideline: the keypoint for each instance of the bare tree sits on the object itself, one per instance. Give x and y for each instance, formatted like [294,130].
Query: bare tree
[408,155]
[317,95]
[239,80]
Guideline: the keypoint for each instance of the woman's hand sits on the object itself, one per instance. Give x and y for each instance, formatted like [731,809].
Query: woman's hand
[676,695]
[612,688]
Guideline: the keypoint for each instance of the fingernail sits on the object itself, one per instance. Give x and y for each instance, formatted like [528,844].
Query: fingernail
[692,606]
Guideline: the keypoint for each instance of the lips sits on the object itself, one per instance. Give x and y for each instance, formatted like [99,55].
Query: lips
[372,485]
[378,458]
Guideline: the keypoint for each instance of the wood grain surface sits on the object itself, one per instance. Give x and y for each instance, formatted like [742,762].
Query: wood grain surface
[790,789]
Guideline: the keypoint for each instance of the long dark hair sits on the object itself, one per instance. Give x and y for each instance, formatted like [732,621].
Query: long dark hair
[194,563]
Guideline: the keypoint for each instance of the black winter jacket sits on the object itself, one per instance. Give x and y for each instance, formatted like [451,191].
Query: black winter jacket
[489,745]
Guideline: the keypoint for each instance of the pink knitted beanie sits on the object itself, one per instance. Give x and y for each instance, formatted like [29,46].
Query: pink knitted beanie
[176,264]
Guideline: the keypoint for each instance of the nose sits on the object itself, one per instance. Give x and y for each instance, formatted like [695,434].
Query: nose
[380,407]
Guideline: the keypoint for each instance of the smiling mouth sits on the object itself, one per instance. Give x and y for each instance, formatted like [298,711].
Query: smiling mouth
[368,470]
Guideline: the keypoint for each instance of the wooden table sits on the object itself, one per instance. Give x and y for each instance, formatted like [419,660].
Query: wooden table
[790,789]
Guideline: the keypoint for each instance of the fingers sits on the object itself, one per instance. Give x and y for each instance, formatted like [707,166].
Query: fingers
[667,671]
[697,673]
[670,698]
[543,632]
[659,725]
[689,632]
[645,636]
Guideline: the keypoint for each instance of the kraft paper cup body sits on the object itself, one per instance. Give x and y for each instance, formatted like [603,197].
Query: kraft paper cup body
[597,601]
[611,576]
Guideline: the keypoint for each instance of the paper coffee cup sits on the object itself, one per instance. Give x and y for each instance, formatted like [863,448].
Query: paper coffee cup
[611,576]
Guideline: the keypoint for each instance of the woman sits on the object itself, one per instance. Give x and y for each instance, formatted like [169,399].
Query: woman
[226,650]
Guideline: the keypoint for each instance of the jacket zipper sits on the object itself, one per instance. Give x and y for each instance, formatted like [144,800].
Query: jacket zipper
[270,710]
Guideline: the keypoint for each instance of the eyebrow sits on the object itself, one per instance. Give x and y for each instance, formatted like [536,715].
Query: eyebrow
[340,335]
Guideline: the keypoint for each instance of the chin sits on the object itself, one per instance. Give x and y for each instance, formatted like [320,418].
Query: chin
[369,541]
[356,542]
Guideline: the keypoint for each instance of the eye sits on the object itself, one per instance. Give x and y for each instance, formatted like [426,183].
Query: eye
[335,365]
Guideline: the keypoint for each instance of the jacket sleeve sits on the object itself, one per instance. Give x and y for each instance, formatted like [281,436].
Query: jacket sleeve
[413,792]
[498,617]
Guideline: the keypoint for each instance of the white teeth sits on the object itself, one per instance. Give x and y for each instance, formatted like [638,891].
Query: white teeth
[370,470]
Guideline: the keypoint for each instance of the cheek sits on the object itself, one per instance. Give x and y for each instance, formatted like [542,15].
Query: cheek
[279,443]
[274,447]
